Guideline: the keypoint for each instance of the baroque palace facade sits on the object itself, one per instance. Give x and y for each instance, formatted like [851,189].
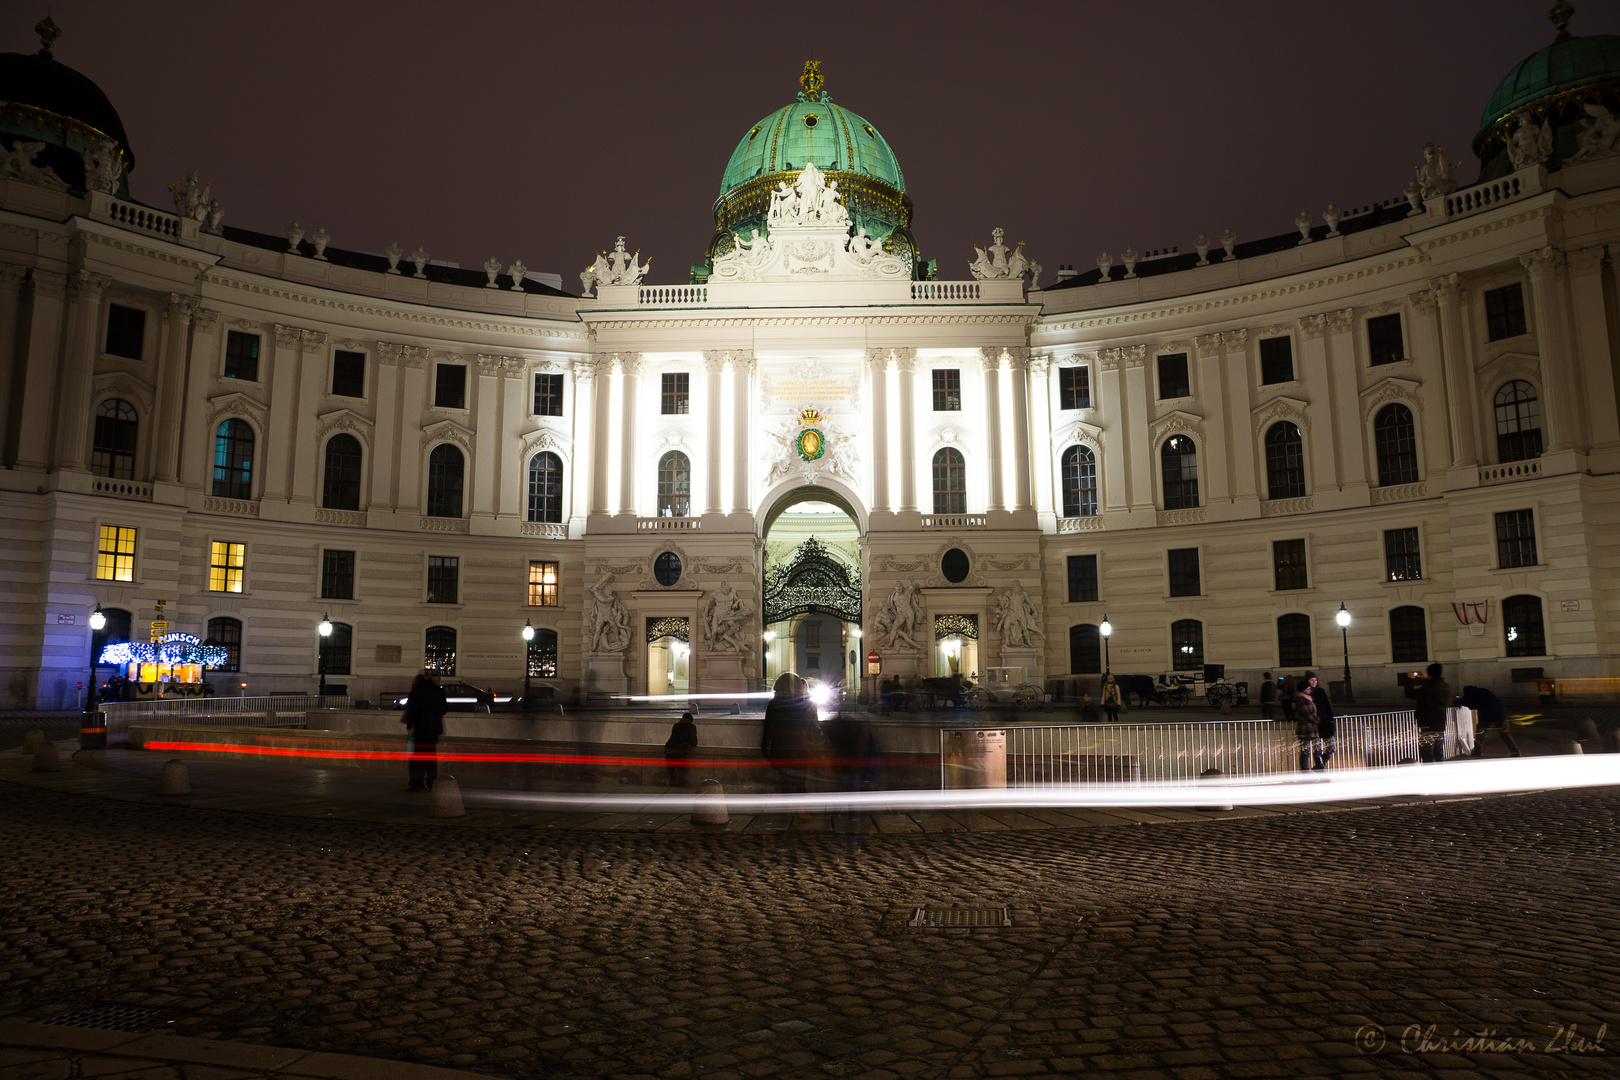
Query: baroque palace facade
[1407,410]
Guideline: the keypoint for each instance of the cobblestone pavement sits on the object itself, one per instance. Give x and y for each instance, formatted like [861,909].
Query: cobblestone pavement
[1318,944]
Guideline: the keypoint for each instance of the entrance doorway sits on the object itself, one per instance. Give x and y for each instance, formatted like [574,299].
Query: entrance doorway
[956,646]
[812,595]
[669,656]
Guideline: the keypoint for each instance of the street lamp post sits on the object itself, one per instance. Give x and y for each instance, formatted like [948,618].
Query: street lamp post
[1107,631]
[325,630]
[528,644]
[92,731]
[1343,619]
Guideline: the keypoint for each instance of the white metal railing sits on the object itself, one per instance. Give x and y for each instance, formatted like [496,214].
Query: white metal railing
[1480,196]
[953,521]
[673,294]
[1517,470]
[669,524]
[277,710]
[946,290]
[1046,756]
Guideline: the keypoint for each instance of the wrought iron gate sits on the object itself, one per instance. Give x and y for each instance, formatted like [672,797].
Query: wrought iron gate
[813,580]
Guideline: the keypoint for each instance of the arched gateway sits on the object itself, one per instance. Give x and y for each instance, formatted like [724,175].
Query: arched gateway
[810,591]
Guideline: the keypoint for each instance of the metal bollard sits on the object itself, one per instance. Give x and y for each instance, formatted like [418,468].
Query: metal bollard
[46,759]
[33,741]
[174,780]
[709,806]
[445,799]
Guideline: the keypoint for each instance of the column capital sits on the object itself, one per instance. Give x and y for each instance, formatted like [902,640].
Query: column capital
[741,362]
[1235,340]
[180,308]
[714,361]
[89,285]
[1543,263]
[1449,289]
[1207,345]
[287,337]
[47,284]
[415,356]
[493,365]
[205,318]
[1312,326]
[1422,301]
[11,276]
[1038,365]
[313,340]
[883,359]
[1340,321]
[389,352]
[1586,261]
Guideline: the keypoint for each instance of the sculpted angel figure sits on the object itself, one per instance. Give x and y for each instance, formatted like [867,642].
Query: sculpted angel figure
[755,248]
[980,266]
[863,248]
[1017,264]
[1435,176]
[1530,143]
[609,625]
[18,164]
[1598,133]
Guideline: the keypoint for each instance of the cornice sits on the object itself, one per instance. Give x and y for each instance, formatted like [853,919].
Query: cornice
[800,321]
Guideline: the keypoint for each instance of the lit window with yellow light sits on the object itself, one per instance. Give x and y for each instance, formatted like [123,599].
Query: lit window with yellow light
[225,565]
[542,584]
[115,555]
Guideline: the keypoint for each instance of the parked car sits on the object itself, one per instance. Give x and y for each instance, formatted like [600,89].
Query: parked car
[462,697]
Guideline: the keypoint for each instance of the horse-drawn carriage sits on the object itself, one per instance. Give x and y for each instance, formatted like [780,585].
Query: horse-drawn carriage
[1005,686]
[1178,688]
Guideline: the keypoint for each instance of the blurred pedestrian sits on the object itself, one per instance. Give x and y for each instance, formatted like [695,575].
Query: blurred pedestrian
[1110,700]
[1285,696]
[1305,728]
[1327,728]
[424,720]
[681,742]
[1493,716]
[1268,697]
[791,734]
[1432,694]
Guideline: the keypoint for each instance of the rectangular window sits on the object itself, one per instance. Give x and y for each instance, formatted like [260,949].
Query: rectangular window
[1082,579]
[337,575]
[1288,560]
[1402,560]
[548,393]
[1184,580]
[542,584]
[675,393]
[1276,359]
[444,573]
[1074,388]
[947,390]
[1504,312]
[812,637]
[1174,382]
[241,356]
[1516,539]
[126,331]
[348,374]
[115,554]
[450,386]
[1384,342]
[225,564]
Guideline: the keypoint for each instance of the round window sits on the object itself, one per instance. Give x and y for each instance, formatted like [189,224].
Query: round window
[954,565]
[812,120]
[667,568]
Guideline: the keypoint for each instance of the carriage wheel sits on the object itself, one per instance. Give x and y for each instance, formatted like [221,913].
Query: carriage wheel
[977,698]
[1027,696]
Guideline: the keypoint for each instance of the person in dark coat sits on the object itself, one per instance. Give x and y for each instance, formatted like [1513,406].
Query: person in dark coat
[1310,742]
[1493,715]
[1287,691]
[791,731]
[1268,697]
[424,719]
[1327,729]
[681,742]
[1433,696]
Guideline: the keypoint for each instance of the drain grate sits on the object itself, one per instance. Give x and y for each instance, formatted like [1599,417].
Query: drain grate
[113,1018]
[960,916]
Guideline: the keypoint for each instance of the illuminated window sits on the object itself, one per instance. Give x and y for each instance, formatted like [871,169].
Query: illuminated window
[225,565]
[950,482]
[1285,462]
[543,654]
[439,650]
[242,356]
[1522,626]
[1395,445]
[1294,641]
[446,468]
[337,649]
[1402,559]
[227,634]
[341,490]
[1288,564]
[545,487]
[675,393]
[542,584]
[1409,635]
[947,390]
[1518,422]
[115,556]
[233,460]
[443,579]
[1187,645]
[1276,360]
[674,485]
[113,451]
[1079,482]
[1179,458]
[126,331]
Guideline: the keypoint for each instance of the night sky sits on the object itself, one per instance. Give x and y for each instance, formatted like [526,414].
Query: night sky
[542,131]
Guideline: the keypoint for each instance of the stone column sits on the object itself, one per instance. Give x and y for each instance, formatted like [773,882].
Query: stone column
[1144,454]
[1214,475]
[516,405]
[742,389]
[73,402]
[601,383]
[877,361]
[1314,369]
[485,411]
[309,453]
[1238,399]
[1018,389]
[714,364]
[990,361]
[39,360]
[412,457]
[170,384]
[1460,397]
[1346,404]
[386,452]
[1594,349]
[196,448]
[1038,446]
[11,279]
[908,431]
[275,446]
[1110,392]
[1560,407]
[1424,347]
[632,365]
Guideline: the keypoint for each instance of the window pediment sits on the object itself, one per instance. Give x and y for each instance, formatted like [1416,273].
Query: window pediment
[447,430]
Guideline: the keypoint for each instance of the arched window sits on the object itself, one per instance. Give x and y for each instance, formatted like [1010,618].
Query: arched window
[1395,441]
[1518,422]
[336,649]
[674,485]
[1085,650]
[446,470]
[1079,482]
[439,650]
[1180,458]
[1409,635]
[233,460]
[1285,462]
[1522,626]
[950,482]
[1187,645]
[1294,641]
[227,634]
[115,630]
[342,488]
[543,654]
[113,451]
[545,487]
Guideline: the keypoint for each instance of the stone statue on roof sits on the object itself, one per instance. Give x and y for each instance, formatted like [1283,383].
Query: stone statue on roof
[618,267]
[994,262]
[103,166]
[18,164]
[1530,144]
[1436,176]
[1598,135]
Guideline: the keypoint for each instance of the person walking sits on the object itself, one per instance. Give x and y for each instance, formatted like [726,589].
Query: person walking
[1493,716]
[1268,697]
[1432,694]
[790,733]
[1110,700]
[424,720]
[1286,695]
[1327,728]
[681,742]
[1305,727]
